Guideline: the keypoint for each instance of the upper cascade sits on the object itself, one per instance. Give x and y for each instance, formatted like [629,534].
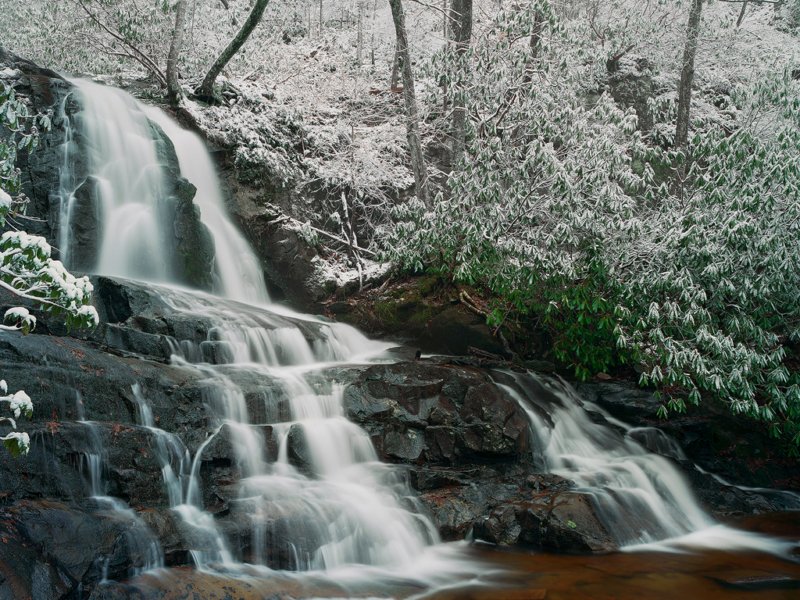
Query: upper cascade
[132,196]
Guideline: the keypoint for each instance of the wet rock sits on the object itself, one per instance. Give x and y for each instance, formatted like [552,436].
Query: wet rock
[85,226]
[290,261]
[41,559]
[194,245]
[298,451]
[421,412]
[554,518]
[46,91]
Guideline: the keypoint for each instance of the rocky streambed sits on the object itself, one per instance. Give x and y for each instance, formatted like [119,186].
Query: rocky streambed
[457,439]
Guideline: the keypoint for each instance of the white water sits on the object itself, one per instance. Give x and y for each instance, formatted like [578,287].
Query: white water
[641,497]
[132,202]
[122,156]
[343,506]
[339,506]
[238,269]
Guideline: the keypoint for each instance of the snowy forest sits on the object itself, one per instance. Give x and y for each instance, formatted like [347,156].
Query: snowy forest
[605,192]
[622,174]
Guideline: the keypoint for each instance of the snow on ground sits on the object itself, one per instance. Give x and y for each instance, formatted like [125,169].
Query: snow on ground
[313,106]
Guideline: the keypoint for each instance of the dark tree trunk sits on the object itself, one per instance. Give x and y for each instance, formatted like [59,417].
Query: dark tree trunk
[461,27]
[174,91]
[393,80]
[206,89]
[687,75]
[742,12]
[410,98]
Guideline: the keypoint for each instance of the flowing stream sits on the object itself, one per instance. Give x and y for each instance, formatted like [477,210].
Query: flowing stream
[642,498]
[336,505]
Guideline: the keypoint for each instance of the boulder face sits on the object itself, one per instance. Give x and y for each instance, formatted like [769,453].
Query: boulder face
[194,245]
[46,92]
[468,450]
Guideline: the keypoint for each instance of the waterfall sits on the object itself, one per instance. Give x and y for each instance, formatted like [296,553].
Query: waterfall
[641,497]
[238,269]
[127,161]
[127,186]
[344,507]
[310,488]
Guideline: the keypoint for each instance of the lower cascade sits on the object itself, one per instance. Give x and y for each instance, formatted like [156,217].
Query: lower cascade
[306,491]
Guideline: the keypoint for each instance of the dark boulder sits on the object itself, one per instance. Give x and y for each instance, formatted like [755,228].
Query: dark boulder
[468,446]
[39,556]
[435,414]
[85,226]
[194,245]
[45,92]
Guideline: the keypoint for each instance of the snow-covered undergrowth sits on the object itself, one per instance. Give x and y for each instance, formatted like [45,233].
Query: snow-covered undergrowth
[563,210]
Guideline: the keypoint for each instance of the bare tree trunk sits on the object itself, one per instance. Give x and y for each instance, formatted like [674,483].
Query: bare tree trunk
[320,18]
[740,20]
[687,75]
[174,92]
[461,26]
[206,89]
[360,33]
[393,80]
[412,114]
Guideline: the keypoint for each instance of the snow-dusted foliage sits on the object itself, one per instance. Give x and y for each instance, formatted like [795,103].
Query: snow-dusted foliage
[26,269]
[710,297]
[564,208]
[547,187]
[560,210]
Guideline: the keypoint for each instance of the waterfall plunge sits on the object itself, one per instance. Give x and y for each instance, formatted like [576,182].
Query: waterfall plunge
[127,165]
[350,508]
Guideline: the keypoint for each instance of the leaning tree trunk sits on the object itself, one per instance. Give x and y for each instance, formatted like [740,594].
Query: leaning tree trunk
[174,91]
[206,89]
[412,114]
[742,12]
[461,25]
[687,75]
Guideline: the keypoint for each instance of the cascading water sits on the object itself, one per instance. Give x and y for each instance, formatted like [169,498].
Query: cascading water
[312,492]
[642,498]
[128,187]
[126,158]
[238,269]
[344,506]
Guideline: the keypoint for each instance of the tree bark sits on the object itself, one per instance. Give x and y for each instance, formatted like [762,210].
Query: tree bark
[174,92]
[740,20]
[461,27]
[393,79]
[687,75]
[410,98]
[206,89]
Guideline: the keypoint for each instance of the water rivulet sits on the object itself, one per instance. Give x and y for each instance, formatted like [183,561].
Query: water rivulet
[307,491]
